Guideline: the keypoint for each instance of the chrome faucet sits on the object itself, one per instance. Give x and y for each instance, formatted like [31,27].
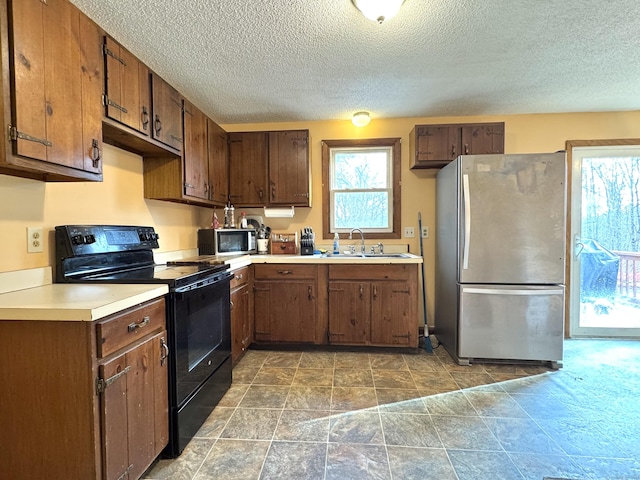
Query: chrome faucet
[361,236]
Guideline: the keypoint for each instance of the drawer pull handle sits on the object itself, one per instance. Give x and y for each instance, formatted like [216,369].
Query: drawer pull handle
[133,326]
[285,272]
[239,277]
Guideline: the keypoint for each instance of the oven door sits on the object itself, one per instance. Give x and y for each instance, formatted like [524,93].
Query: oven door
[201,334]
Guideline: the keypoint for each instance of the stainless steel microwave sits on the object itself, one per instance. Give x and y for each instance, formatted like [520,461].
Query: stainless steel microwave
[226,241]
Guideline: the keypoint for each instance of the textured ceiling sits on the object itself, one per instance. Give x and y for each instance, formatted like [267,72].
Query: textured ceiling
[245,61]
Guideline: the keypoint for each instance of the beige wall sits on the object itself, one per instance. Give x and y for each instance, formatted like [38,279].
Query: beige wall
[119,199]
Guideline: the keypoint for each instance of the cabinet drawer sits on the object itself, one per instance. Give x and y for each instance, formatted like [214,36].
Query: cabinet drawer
[270,271]
[121,329]
[370,272]
[240,277]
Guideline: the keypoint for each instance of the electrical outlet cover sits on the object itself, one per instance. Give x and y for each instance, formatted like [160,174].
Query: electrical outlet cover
[35,240]
[425,232]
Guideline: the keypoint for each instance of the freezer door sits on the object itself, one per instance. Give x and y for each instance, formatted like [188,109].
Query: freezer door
[512,219]
[511,322]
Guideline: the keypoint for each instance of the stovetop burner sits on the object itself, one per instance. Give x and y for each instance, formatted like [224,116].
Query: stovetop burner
[120,254]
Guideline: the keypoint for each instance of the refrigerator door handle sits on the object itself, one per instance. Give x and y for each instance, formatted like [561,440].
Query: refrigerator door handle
[507,291]
[467,221]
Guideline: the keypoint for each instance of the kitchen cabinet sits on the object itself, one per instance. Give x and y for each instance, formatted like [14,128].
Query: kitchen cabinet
[289,168]
[241,313]
[91,398]
[285,299]
[269,168]
[373,305]
[52,85]
[482,138]
[200,175]
[218,163]
[128,93]
[196,161]
[167,113]
[248,168]
[434,146]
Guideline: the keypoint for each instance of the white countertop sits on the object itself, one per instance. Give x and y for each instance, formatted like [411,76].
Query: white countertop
[336,259]
[75,302]
[34,298]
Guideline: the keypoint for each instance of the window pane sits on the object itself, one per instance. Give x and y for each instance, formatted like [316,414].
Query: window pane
[367,169]
[361,209]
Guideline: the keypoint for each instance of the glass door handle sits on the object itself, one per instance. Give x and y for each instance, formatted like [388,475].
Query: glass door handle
[579,246]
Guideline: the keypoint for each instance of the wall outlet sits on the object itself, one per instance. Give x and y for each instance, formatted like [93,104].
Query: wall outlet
[409,232]
[425,232]
[35,240]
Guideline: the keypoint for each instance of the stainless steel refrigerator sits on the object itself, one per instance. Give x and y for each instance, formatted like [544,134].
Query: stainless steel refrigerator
[500,257]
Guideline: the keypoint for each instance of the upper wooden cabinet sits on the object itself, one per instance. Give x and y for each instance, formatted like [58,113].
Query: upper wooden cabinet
[289,168]
[482,138]
[127,93]
[269,168]
[248,168]
[200,175]
[51,82]
[433,146]
[218,163]
[196,162]
[167,113]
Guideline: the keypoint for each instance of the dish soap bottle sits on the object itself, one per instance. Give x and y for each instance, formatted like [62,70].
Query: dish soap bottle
[336,243]
[243,220]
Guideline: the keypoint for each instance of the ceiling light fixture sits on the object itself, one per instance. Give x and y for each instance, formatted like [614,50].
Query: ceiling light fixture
[378,10]
[361,119]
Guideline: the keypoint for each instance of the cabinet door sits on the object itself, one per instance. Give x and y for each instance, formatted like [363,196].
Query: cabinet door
[483,139]
[239,322]
[248,168]
[218,163]
[195,159]
[349,312]
[436,143]
[167,113]
[57,81]
[393,320]
[134,412]
[289,168]
[127,93]
[285,311]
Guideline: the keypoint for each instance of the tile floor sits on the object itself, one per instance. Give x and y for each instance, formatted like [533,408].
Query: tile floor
[324,415]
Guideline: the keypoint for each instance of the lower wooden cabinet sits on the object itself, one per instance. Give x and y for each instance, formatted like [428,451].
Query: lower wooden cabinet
[373,305]
[85,400]
[285,297]
[241,313]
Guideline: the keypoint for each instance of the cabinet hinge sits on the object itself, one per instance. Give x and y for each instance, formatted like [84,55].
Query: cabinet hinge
[110,103]
[125,473]
[106,51]
[14,135]
[102,384]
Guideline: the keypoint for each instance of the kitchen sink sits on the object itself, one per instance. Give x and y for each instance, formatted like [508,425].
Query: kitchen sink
[370,255]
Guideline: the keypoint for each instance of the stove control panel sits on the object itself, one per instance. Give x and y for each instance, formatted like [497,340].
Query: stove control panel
[74,240]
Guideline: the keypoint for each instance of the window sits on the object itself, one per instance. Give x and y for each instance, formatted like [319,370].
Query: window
[361,187]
